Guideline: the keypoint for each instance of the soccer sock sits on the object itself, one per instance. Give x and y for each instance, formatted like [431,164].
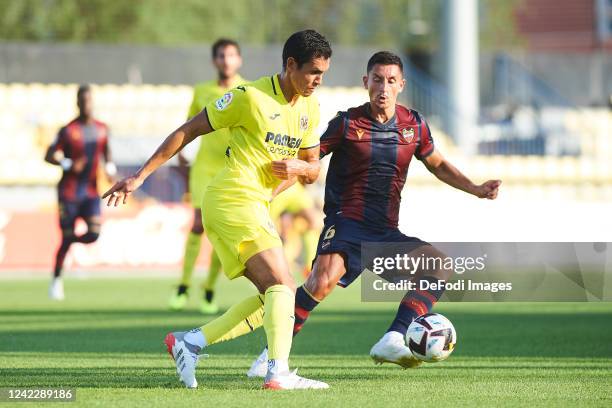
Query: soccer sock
[251,323]
[278,322]
[60,256]
[311,240]
[304,304]
[239,319]
[213,274]
[192,250]
[414,304]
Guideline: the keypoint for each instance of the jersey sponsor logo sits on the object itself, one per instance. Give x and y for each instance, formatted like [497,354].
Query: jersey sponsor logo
[408,135]
[282,144]
[283,140]
[359,133]
[242,88]
[304,122]
[224,101]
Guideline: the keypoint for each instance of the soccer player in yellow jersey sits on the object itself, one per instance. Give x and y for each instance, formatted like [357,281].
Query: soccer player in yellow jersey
[208,162]
[271,122]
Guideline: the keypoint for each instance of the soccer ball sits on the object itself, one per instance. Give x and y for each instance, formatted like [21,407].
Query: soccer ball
[431,337]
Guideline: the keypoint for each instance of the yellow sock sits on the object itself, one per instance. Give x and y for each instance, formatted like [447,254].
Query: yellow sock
[311,239]
[278,321]
[213,272]
[192,250]
[242,318]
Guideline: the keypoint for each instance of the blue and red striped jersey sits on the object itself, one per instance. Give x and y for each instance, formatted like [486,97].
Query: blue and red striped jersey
[81,140]
[370,160]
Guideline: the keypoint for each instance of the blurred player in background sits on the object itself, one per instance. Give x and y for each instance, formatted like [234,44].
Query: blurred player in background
[273,142]
[296,202]
[78,149]
[209,161]
[373,145]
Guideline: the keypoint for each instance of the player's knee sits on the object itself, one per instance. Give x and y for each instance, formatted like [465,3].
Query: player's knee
[438,271]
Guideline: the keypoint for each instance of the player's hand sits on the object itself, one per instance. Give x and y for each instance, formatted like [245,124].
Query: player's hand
[120,191]
[488,189]
[78,165]
[285,169]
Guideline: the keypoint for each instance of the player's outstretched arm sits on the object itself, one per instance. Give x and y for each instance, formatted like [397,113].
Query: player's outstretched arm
[306,167]
[187,132]
[449,174]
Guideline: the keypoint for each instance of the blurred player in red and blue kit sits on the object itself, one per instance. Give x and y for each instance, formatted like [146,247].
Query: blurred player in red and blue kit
[77,149]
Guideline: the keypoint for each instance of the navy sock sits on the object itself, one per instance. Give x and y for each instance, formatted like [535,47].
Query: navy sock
[304,304]
[413,305]
[60,256]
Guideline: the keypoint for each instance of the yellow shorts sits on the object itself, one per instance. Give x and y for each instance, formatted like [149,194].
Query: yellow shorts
[293,200]
[238,230]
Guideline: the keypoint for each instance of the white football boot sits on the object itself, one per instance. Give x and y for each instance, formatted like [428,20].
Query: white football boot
[185,357]
[259,368]
[392,348]
[289,380]
[56,289]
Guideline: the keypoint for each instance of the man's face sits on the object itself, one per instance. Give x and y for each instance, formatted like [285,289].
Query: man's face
[227,61]
[85,103]
[310,75]
[384,83]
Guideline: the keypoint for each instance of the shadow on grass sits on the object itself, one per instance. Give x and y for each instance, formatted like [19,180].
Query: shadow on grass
[121,377]
[326,333]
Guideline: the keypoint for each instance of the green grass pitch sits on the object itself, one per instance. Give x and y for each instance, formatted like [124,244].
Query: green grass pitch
[105,340]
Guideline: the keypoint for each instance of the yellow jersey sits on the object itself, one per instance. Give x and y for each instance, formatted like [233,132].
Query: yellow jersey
[263,127]
[211,153]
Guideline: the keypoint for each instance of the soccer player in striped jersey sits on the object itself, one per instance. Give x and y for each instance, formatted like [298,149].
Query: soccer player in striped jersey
[273,142]
[78,148]
[372,146]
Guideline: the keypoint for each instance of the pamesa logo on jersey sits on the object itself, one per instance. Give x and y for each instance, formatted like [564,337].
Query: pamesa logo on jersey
[283,144]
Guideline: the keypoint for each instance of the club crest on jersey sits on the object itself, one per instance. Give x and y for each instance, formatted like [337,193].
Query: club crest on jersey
[224,101]
[304,122]
[408,135]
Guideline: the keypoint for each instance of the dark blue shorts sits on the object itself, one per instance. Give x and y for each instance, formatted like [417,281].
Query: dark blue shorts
[84,208]
[345,236]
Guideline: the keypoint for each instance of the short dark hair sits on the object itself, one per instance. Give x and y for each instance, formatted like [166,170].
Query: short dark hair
[385,58]
[304,46]
[84,88]
[222,43]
